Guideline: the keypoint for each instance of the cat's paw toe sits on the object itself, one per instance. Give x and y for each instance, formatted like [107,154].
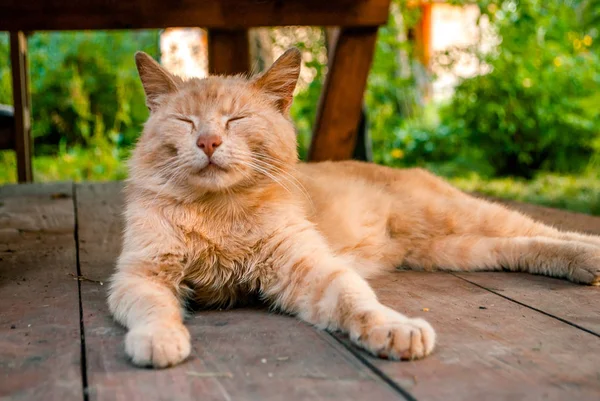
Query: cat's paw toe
[586,270]
[400,338]
[158,346]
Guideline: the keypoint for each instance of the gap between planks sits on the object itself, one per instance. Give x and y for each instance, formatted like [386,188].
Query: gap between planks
[360,355]
[560,319]
[84,381]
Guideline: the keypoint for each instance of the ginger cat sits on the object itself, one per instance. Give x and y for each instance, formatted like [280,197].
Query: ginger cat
[219,209]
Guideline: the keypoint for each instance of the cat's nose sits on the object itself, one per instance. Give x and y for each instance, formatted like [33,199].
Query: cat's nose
[208,143]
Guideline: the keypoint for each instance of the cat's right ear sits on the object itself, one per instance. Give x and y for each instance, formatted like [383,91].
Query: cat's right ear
[157,81]
[280,80]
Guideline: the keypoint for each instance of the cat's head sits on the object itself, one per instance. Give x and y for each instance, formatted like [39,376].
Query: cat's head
[215,134]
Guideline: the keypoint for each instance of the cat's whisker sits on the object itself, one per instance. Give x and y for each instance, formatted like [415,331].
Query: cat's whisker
[266,173]
[289,177]
[292,180]
[271,176]
[264,169]
[272,163]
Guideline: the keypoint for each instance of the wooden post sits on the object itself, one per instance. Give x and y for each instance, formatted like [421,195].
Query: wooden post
[340,105]
[362,149]
[22,105]
[423,33]
[228,52]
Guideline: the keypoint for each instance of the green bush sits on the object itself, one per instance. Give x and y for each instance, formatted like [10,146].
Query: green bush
[538,107]
[83,85]
[393,98]
[535,114]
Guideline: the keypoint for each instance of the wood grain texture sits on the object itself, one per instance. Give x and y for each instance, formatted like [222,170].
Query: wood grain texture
[22,105]
[228,52]
[574,303]
[39,303]
[489,348]
[221,14]
[245,354]
[338,116]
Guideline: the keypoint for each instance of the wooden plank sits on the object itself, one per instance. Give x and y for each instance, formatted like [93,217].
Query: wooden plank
[423,35]
[363,148]
[228,52]
[39,317]
[488,348]
[22,105]
[241,354]
[221,14]
[571,302]
[339,113]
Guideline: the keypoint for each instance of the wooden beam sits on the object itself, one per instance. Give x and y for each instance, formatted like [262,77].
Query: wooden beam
[362,148]
[22,105]
[220,14]
[228,52]
[338,117]
[423,35]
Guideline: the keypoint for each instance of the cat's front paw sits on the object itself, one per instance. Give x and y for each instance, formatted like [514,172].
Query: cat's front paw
[585,268]
[394,336]
[158,345]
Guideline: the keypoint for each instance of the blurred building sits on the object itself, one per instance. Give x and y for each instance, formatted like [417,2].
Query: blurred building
[454,29]
[184,51]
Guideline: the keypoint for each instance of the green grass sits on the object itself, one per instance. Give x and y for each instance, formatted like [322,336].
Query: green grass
[570,192]
[77,164]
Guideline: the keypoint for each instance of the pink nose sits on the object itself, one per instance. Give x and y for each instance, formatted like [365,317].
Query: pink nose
[208,143]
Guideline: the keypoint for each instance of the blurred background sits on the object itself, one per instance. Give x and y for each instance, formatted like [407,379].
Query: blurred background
[499,96]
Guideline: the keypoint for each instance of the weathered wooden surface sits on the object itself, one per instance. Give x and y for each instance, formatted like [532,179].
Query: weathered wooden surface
[578,305]
[39,305]
[222,14]
[22,105]
[575,304]
[228,52]
[338,117]
[501,336]
[489,347]
[241,354]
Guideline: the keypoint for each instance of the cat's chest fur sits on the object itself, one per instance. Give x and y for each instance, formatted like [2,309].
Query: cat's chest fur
[224,258]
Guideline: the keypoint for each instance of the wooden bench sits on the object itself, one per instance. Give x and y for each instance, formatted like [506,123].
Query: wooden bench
[353,23]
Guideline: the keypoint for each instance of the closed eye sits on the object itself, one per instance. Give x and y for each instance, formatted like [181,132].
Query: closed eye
[185,119]
[235,118]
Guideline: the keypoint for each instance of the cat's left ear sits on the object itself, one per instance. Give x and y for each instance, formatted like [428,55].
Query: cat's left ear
[280,80]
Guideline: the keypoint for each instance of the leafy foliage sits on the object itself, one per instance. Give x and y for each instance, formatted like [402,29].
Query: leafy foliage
[84,87]
[534,114]
[535,109]
[577,193]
